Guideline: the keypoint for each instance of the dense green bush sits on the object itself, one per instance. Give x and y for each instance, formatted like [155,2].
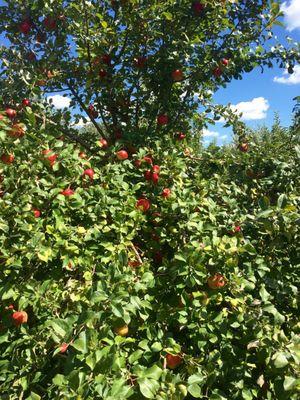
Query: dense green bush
[146,266]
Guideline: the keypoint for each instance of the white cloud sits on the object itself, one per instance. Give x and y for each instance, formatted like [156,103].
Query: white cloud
[59,101]
[291,10]
[255,109]
[224,138]
[207,133]
[289,79]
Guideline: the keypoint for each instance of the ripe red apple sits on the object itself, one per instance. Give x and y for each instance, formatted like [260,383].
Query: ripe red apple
[155,178]
[51,158]
[50,23]
[180,136]
[63,347]
[148,160]
[173,361]
[16,131]
[244,147]
[36,213]
[162,119]
[166,193]
[82,155]
[148,175]
[92,112]
[177,75]
[11,113]
[25,27]
[156,168]
[106,59]
[103,143]
[122,155]
[19,317]
[138,163]
[67,192]
[89,172]
[7,158]
[140,62]
[102,73]
[197,7]
[225,62]
[1,117]
[26,103]
[143,204]
[217,72]
[237,229]
[216,281]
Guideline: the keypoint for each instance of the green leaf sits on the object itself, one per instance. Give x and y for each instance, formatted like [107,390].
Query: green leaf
[148,387]
[80,344]
[289,383]
[280,360]
[195,391]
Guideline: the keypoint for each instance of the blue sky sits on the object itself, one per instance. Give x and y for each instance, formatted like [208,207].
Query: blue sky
[259,96]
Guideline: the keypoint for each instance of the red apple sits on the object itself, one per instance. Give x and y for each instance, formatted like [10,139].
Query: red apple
[103,143]
[50,23]
[16,131]
[134,263]
[173,361]
[143,205]
[25,27]
[180,136]
[155,178]
[11,113]
[102,73]
[217,72]
[244,147]
[92,112]
[122,155]
[89,172]
[216,281]
[7,158]
[162,119]
[106,59]
[19,317]
[156,168]
[36,213]
[166,193]
[225,62]
[67,192]
[63,347]
[148,175]
[198,7]
[138,163]
[26,103]
[82,155]
[148,160]
[140,62]
[177,75]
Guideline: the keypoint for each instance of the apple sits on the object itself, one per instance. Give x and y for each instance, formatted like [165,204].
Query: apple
[67,192]
[134,263]
[36,213]
[19,317]
[162,119]
[166,193]
[216,281]
[82,154]
[237,229]
[26,103]
[177,75]
[25,27]
[51,158]
[217,72]
[197,7]
[11,113]
[173,361]
[63,347]
[225,62]
[106,59]
[7,158]
[16,131]
[122,155]
[138,163]
[180,136]
[148,160]
[121,330]
[156,168]
[244,147]
[92,112]
[102,73]
[103,143]
[148,175]
[1,117]
[155,178]
[143,204]
[89,172]
[140,62]
[50,23]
